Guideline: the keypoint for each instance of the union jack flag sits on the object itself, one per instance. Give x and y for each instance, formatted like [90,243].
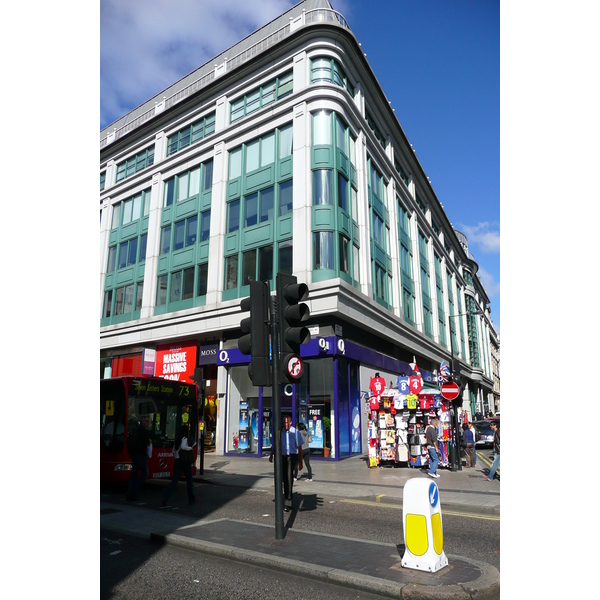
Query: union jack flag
[444,371]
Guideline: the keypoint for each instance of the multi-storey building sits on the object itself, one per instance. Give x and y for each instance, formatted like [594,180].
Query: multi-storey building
[282,154]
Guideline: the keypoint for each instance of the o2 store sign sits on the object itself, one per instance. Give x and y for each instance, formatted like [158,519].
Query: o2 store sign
[176,362]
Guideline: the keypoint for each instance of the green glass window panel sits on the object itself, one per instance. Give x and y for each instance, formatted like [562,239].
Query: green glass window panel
[380,282]
[252,102]
[285,251]
[377,232]
[267,154]
[132,252]
[205,226]
[175,286]
[119,293]
[128,300]
[182,186]
[322,187]
[340,135]
[251,210]
[267,203]
[197,131]
[286,193]
[169,191]
[268,93]
[286,136]
[116,216]
[252,156]
[248,266]
[286,85]
[342,192]
[161,291]
[179,235]
[188,283]
[102,180]
[231,272]
[343,254]
[405,260]
[112,255]
[237,109]
[208,175]
[265,263]
[165,240]
[355,263]
[320,70]
[235,163]
[185,138]
[172,143]
[321,122]
[338,74]
[202,279]
[106,310]
[323,250]
[194,182]
[139,293]
[122,255]
[233,216]
[209,127]
[191,233]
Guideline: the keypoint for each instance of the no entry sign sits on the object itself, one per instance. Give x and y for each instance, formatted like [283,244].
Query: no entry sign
[450,391]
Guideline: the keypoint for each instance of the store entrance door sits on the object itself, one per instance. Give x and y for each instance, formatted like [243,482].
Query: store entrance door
[348,396]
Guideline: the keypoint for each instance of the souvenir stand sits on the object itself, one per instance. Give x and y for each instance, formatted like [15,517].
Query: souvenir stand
[398,418]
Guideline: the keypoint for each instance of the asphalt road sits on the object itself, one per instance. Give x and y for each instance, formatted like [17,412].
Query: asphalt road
[474,537]
[132,568]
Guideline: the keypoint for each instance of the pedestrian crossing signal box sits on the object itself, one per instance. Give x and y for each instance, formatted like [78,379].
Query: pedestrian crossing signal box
[422,521]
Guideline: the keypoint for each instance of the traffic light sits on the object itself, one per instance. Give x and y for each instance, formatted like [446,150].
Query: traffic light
[456,371]
[255,342]
[198,378]
[292,313]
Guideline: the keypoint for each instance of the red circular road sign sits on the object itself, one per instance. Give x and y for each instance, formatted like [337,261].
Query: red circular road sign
[450,391]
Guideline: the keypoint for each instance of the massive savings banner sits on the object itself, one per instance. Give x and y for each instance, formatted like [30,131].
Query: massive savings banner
[176,362]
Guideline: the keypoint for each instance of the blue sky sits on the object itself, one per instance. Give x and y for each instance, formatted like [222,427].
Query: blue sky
[440,69]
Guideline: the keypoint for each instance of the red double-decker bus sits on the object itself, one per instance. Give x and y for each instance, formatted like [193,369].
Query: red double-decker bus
[167,404]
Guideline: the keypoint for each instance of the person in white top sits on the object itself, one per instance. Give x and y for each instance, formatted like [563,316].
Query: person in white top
[181,444]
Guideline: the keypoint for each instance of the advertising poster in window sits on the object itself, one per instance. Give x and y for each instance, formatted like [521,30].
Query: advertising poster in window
[315,426]
[176,362]
[243,415]
[243,443]
[267,433]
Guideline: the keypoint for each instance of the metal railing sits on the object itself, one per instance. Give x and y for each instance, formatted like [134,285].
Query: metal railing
[316,16]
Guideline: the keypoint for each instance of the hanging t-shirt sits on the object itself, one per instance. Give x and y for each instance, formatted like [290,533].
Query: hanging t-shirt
[377,385]
[374,402]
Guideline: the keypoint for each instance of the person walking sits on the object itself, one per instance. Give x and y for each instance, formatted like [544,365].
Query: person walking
[138,443]
[496,462]
[291,451]
[432,447]
[468,439]
[184,459]
[306,439]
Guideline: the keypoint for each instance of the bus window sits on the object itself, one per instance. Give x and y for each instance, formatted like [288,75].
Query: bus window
[112,418]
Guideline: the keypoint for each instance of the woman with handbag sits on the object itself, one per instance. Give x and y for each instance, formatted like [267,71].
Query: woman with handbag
[184,459]
[306,439]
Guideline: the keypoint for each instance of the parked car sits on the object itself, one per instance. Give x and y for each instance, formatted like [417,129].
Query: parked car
[485,430]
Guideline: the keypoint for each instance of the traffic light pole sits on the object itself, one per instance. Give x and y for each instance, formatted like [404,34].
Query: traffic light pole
[277,460]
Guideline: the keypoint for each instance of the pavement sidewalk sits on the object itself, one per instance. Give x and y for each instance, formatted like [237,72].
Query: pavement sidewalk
[328,558]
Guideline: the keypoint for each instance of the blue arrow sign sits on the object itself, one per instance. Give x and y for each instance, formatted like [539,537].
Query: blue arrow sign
[433,495]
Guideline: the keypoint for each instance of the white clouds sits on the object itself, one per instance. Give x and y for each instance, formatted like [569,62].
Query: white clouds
[147,46]
[486,236]
[492,287]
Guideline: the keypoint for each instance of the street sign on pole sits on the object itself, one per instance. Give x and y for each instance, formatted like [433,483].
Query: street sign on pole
[450,390]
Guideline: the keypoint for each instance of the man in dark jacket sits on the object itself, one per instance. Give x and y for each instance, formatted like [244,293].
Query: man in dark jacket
[496,463]
[138,441]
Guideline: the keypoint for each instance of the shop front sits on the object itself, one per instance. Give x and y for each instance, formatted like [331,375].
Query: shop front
[329,399]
